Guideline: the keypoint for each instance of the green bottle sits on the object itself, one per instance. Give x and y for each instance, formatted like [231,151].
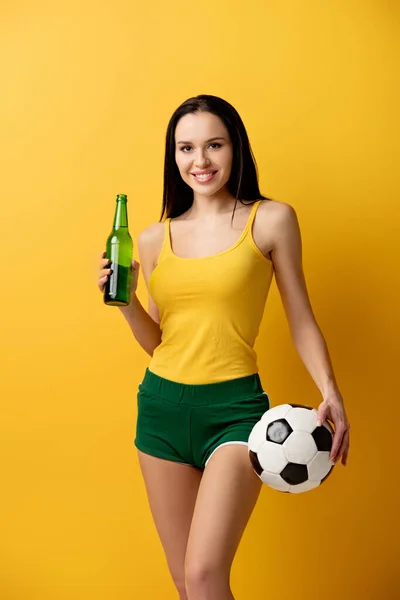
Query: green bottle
[119,249]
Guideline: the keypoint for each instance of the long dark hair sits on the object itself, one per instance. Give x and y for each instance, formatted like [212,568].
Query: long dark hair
[243,180]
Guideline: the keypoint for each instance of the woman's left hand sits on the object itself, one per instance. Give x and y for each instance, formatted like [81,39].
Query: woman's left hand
[332,408]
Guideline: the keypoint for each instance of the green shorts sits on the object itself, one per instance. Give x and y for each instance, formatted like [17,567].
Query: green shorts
[187,423]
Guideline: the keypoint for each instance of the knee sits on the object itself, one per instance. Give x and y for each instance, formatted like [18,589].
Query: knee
[202,577]
[197,574]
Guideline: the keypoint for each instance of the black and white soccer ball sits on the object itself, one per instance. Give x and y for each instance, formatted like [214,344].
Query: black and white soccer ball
[288,451]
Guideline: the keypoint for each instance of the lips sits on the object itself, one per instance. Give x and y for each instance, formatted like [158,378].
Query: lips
[205,176]
[206,172]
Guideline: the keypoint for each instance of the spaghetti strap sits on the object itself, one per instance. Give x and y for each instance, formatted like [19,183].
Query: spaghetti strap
[252,216]
[167,237]
[166,245]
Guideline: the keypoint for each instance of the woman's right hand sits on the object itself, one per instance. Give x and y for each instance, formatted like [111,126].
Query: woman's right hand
[105,272]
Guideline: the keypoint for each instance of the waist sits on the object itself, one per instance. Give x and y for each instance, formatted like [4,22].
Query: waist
[200,394]
[202,365]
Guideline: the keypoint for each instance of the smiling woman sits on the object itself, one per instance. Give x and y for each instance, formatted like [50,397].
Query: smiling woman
[206,134]
[208,268]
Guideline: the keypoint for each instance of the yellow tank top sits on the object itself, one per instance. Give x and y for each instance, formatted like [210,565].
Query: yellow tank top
[210,310]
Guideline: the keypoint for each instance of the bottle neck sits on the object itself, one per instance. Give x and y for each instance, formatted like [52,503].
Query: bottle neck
[121,215]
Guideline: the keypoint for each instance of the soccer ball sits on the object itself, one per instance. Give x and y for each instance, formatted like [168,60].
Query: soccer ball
[288,451]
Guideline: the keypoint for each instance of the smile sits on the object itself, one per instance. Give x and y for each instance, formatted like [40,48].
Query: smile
[205,178]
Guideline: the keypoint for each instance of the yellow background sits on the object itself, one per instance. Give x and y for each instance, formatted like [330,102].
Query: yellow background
[88,88]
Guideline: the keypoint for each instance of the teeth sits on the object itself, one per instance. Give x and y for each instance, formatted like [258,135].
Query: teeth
[204,176]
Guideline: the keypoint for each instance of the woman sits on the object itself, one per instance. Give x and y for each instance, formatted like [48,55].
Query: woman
[208,268]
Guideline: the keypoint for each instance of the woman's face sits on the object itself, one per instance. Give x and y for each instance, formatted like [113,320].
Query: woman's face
[202,143]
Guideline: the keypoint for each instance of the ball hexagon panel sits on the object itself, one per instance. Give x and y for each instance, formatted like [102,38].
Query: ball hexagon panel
[257,436]
[272,457]
[320,466]
[302,420]
[276,412]
[300,447]
[275,481]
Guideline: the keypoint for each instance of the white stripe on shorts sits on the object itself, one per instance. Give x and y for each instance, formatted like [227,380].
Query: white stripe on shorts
[224,444]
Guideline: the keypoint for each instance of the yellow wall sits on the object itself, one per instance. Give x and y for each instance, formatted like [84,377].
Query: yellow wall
[87,91]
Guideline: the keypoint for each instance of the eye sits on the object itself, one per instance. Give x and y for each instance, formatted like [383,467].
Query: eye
[213,144]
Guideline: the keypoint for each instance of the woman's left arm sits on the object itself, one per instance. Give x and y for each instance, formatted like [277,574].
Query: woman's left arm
[306,334]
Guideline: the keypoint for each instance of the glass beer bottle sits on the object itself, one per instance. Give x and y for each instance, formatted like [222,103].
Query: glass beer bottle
[119,250]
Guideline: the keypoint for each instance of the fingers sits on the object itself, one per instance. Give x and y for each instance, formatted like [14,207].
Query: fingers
[337,442]
[340,442]
[344,449]
[345,456]
[322,414]
[103,280]
[104,273]
[334,412]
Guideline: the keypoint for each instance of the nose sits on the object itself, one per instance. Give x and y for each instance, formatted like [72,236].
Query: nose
[201,159]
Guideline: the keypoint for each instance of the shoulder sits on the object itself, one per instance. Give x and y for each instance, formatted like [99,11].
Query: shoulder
[152,233]
[277,219]
[150,241]
[274,222]
[277,212]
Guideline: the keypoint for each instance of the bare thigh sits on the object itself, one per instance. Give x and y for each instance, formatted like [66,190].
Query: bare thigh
[228,493]
[172,491]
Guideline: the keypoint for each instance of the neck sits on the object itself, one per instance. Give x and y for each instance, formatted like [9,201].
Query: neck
[211,206]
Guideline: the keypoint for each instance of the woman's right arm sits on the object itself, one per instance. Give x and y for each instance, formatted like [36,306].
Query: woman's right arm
[144,325]
[146,331]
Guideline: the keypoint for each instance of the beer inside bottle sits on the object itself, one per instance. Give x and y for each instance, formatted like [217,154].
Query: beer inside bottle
[119,249]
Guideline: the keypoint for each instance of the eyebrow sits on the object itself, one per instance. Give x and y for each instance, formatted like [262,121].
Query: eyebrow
[210,140]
